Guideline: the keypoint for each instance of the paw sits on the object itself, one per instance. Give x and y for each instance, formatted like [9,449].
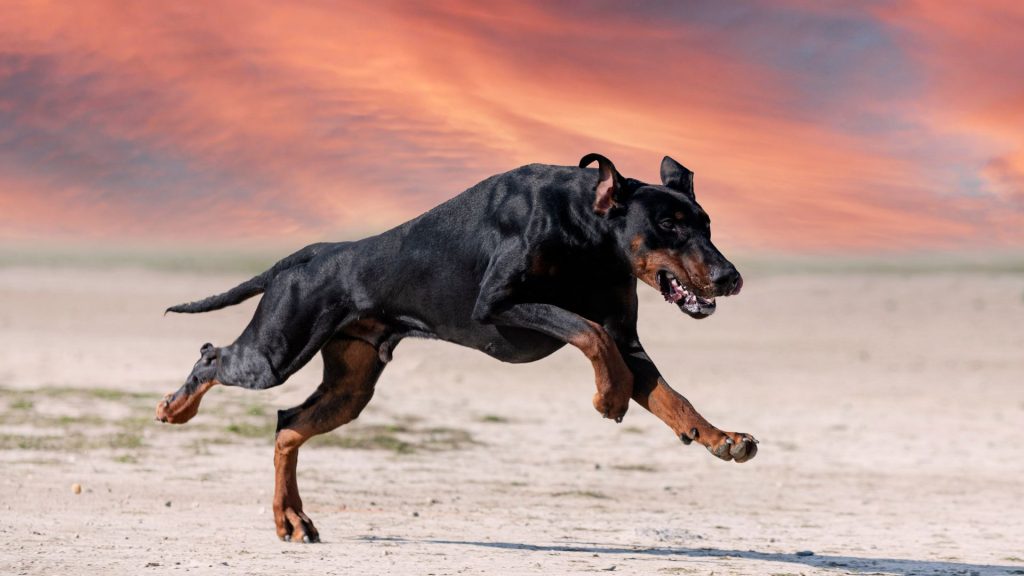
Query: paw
[294,526]
[181,406]
[611,407]
[735,446]
[176,408]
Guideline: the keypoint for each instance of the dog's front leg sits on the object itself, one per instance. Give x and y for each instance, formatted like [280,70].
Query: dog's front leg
[651,391]
[612,376]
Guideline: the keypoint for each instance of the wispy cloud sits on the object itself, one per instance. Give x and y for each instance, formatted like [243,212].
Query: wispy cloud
[810,127]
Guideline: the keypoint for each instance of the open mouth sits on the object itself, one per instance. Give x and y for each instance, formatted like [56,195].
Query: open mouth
[677,293]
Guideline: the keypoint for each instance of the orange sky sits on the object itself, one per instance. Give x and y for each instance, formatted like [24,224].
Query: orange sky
[810,127]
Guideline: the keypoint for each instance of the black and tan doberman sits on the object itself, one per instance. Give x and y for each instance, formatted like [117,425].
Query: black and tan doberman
[517,266]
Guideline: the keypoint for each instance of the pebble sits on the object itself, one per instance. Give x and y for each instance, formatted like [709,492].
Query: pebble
[805,553]
[76,488]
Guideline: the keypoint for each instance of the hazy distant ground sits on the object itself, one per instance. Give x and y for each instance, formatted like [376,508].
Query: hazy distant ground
[886,393]
[251,261]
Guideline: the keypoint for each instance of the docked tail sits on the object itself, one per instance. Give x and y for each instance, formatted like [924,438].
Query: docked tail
[239,293]
[249,288]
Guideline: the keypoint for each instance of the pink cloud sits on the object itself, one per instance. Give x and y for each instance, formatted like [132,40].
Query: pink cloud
[305,121]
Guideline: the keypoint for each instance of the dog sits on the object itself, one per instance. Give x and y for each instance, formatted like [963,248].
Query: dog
[517,267]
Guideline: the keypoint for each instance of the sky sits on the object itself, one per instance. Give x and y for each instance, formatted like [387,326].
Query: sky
[810,126]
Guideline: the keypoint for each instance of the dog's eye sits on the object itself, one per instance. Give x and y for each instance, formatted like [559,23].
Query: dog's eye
[667,224]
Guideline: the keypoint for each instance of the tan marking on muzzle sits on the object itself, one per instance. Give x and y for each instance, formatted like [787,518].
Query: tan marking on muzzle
[697,277]
[647,263]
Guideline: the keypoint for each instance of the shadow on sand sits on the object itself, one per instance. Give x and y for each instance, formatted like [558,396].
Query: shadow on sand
[851,564]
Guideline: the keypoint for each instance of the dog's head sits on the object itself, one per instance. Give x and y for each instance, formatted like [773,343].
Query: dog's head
[666,235]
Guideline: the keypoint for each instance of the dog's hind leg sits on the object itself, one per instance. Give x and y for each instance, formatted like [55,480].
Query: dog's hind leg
[235,365]
[291,323]
[351,369]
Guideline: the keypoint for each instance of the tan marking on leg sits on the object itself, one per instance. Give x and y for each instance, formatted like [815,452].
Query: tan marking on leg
[286,489]
[180,407]
[675,410]
[351,368]
[611,375]
[688,425]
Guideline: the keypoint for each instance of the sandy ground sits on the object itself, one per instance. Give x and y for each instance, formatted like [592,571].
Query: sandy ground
[890,410]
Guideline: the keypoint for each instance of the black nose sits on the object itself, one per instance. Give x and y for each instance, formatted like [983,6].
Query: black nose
[727,280]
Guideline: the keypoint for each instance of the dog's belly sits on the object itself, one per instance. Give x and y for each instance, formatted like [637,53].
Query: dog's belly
[515,345]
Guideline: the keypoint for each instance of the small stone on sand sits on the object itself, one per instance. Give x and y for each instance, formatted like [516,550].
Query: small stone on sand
[76,488]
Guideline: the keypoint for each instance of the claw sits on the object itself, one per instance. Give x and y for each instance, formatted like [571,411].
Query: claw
[618,420]
[728,440]
[685,439]
[305,538]
[750,452]
[287,538]
[694,434]
[740,450]
[722,451]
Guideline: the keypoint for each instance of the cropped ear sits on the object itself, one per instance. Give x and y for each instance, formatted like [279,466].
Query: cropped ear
[608,185]
[676,176]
